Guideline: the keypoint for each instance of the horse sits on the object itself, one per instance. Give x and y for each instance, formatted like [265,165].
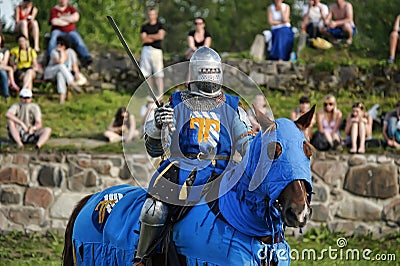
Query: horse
[244,226]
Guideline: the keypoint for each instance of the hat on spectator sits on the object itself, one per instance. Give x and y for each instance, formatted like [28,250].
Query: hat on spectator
[304,99]
[25,93]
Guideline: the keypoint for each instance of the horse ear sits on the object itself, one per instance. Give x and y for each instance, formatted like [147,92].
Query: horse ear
[304,121]
[265,123]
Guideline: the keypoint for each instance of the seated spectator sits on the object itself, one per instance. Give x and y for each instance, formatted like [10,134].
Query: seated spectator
[6,71]
[340,23]
[62,20]
[328,121]
[304,107]
[122,127]
[358,128]
[391,127]
[261,104]
[25,122]
[24,59]
[147,110]
[394,40]
[63,67]
[282,34]
[198,37]
[25,19]
[314,15]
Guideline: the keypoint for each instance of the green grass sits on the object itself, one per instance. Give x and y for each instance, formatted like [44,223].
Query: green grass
[321,238]
[35,249]
[88,115]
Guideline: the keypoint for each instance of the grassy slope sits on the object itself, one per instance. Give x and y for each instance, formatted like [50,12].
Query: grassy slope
[88,115]
[20,249]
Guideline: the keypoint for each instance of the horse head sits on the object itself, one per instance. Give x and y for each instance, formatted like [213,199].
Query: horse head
[288,182]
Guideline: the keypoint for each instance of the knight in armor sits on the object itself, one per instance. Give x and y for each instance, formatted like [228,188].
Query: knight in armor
[199,130]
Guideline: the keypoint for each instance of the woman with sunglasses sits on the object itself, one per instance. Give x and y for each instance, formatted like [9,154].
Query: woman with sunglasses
[358,128]
[198,37]
[329,119]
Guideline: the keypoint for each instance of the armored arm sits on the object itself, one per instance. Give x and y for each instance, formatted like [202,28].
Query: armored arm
[242,132]
[163,118]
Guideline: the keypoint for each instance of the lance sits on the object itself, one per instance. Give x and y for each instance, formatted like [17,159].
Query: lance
[125,45]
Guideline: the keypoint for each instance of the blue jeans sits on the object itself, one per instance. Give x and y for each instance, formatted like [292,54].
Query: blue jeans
[4,83]
[392,129]
[76,40]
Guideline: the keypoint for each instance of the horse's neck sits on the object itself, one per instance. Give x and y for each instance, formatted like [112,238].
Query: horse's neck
[247,211]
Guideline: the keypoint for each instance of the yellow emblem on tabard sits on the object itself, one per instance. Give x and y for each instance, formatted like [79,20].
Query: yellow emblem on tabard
[103,205]
[205,124]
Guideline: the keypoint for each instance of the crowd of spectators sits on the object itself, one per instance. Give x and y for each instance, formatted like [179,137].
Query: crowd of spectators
[67,51]
[19,65]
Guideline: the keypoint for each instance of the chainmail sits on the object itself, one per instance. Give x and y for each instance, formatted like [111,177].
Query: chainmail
[200,103]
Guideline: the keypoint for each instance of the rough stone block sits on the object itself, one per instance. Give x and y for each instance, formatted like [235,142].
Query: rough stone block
[330,171]
[76,182]
[74,169]
[114,171]
[55,158]
[125,173]
[83,180]
[27,215]
[284,67]
[39,197]
[5,224]
[320,213]
[10,195]
[102,166]
[379,181]
[13,175]
[258,78]
[341,226]
[85,162]
[50,177]
[257,49]
[356,209]
[321,193]
[21,159]
[391,212]
[63,206]
[357,159]
[270,68]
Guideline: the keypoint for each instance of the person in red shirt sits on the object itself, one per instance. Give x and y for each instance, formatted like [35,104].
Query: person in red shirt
[62,20]
[25,18]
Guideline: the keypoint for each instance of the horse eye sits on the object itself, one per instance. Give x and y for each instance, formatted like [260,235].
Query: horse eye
[308,150]
[274,150]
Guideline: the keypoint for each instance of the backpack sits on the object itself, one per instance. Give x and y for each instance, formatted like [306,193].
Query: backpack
[319,141]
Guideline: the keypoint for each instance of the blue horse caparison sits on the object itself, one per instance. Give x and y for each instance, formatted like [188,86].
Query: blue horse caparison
[105,237]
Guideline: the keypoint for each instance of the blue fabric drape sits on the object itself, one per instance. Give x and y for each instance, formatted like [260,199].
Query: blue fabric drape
[282,43]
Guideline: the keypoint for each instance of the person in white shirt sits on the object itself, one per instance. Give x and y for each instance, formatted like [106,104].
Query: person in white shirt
[314,15]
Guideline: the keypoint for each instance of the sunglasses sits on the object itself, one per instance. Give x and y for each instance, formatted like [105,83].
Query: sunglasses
[25,98]
[330,104]
[198,23]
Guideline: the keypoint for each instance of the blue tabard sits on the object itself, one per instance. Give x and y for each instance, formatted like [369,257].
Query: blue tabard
[208,132]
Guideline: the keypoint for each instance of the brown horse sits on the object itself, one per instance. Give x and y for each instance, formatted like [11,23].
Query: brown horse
[242,227]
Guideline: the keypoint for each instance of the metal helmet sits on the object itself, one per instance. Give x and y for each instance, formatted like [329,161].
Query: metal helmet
[205,69]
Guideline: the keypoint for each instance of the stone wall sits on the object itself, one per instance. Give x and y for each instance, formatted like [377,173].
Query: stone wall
[114,71]
[353,193]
